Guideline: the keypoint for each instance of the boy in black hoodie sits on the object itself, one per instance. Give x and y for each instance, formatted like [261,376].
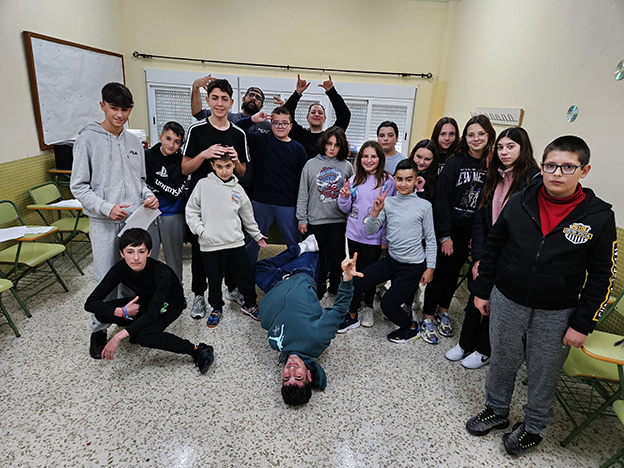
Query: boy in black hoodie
[163,167]
[544,278]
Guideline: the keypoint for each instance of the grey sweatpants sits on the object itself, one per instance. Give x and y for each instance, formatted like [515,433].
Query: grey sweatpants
[519,333]
[169,230]
[105,247]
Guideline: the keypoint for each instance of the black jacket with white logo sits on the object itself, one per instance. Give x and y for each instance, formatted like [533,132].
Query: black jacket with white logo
[572,266]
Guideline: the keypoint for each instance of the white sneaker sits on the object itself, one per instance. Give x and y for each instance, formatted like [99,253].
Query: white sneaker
[199,307]
[235,296]
[310,244]
[475,360]
[455,353]
[367,318]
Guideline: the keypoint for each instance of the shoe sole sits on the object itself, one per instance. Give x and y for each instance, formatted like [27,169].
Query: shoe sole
[457,359]
[249,314]
[477,367]
[197,317]
[350,327]
[367,324]
[482,433]
[400,341]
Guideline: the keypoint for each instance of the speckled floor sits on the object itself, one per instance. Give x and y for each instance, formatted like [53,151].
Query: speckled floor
[386,405]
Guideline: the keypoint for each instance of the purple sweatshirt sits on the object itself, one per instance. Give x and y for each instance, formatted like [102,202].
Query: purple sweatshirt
[359,206]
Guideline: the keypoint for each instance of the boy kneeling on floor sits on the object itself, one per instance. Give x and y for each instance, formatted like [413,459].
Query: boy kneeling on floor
[159,301]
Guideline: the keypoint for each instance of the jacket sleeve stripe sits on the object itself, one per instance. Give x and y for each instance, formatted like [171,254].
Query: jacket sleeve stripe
[611,278]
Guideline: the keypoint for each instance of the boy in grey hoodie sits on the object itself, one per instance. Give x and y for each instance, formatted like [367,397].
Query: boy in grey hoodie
[108,178]
[216,212]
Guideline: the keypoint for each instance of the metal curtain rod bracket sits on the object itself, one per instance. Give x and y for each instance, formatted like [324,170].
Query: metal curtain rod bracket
[137,54]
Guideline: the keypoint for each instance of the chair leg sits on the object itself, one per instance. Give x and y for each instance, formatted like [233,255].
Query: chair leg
[9,321]
[20,301]
[614,459]
[58,277]
[71,257]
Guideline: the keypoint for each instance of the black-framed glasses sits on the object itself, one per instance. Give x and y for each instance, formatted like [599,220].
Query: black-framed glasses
[566,169]
[255,96]
[280,124]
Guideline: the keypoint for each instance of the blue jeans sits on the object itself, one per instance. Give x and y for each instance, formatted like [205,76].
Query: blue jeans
[286,221]
[271,270]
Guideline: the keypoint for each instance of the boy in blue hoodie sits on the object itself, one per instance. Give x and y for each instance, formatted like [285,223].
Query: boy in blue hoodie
[108,178]
[296,324]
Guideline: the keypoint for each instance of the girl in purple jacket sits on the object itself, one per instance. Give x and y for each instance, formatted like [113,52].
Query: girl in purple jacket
[356,199]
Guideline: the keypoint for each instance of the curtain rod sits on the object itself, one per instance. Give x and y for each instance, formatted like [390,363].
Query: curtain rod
[137,54]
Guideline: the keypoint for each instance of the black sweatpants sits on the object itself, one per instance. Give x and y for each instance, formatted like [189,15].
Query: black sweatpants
[441,289]
[405,278]
[237,260]
[367,255]
[475,334]
[198,272]
[153,335]
[331,242]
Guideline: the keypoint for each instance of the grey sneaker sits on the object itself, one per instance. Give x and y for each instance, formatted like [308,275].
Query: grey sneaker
[444,324]
[485,421]
[519,440]
[235,296]
[198,310]
[367,318]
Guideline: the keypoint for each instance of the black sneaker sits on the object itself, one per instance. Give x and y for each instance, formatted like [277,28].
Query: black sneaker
[485,421]
[98,343]
[348,323]
[203,356]
[403,335]
[519,440]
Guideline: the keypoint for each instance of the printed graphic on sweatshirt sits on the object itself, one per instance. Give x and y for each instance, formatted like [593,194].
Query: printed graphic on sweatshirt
[354,212]
[235,197]
[277,335]
[578,233]
[163,173]
[329,182]
[468,203]
[368,214]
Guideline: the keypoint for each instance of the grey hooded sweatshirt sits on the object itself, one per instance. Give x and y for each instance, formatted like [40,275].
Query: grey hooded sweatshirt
[107,171]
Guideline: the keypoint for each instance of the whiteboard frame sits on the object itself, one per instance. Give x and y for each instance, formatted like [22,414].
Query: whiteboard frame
[33,74]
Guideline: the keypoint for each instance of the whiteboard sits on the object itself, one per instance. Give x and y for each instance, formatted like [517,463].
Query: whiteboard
[66,82]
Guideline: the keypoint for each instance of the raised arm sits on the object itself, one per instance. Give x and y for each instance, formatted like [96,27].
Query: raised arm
[196,103]
[343,114]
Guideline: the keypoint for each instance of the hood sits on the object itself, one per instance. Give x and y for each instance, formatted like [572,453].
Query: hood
[214,178]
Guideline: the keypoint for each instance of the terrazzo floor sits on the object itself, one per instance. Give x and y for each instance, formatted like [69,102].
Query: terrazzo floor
[386,405]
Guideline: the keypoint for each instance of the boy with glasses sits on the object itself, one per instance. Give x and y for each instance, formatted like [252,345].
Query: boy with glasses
[279,162]
[544,278]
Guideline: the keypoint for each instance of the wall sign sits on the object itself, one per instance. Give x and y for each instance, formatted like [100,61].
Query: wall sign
[501,116]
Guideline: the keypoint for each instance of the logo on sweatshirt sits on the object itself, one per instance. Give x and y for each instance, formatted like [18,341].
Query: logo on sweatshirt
[329,182]
[133,152]
[163,173]
[278,336]
[578,233]
[235,197]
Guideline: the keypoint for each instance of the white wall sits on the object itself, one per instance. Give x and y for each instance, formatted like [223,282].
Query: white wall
[545,56]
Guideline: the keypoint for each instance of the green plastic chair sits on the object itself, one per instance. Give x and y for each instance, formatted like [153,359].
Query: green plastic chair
[69,227]
[5,285]
[618,408]
[24,258]
[590,386]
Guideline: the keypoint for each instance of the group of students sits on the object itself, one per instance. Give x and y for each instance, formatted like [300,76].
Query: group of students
[543,247]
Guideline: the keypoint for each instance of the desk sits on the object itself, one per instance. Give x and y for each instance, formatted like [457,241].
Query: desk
[599,345]
[61,176]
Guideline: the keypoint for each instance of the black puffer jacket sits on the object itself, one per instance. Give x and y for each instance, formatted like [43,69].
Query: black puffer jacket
[549,272]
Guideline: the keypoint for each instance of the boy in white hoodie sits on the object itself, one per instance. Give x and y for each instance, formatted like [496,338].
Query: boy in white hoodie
[216,212]
[108,178]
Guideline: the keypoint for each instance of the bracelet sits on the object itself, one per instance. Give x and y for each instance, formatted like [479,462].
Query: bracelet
[125,313]
[444,239]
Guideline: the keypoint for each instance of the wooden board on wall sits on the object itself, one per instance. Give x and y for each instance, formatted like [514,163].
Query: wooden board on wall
[66,80]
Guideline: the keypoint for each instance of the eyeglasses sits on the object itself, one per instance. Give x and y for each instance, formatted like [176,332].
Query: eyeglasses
[255,96]
[280,124]
[566,169]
